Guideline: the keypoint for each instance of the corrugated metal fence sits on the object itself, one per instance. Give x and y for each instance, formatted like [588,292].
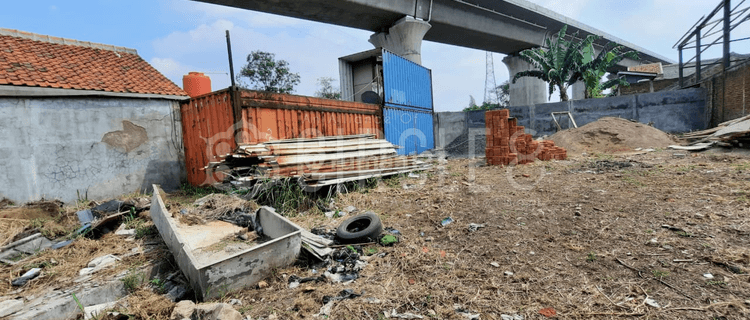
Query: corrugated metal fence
[408,110]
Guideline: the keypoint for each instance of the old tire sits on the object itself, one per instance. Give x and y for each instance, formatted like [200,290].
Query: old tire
[359,228]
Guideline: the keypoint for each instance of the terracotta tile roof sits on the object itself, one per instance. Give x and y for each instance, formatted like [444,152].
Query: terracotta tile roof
[650,68]
[28,59]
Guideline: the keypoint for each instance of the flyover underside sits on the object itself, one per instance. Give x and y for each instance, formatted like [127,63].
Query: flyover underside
[504,27]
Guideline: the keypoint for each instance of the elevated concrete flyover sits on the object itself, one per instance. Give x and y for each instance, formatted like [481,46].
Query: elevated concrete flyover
[506,26]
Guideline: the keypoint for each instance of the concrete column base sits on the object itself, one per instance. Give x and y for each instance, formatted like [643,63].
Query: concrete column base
[579,91]
[526,91]
[404,38]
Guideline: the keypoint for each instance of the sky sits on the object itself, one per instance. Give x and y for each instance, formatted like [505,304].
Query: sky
[179,36]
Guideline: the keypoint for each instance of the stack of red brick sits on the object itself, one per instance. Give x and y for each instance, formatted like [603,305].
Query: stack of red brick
[507,142]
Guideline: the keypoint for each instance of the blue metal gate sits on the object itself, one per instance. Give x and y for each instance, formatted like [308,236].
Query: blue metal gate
[410,129]
[408,110]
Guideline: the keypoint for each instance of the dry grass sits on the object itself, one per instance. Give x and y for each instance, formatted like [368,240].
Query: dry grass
[561,238]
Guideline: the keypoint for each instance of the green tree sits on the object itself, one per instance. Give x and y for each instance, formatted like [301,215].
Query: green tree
[327,90]
[596,66]
[559,65]
[565,62]
[503,97]
[265,73]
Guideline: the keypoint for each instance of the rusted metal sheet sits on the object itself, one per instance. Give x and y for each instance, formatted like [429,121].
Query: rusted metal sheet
[207,130]
[211,132]
[277,116]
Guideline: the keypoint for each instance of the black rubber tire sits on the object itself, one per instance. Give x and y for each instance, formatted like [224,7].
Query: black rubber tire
[359,228]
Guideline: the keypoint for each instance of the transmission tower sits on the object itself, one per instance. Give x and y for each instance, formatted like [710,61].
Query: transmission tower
[490,91]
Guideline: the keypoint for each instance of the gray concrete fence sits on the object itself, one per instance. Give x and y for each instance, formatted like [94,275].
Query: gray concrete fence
[462,133]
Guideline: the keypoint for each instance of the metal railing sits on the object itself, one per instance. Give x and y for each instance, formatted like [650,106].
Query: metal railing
[706,30]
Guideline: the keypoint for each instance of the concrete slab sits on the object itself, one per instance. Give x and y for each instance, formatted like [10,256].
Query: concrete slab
[9,307]
[215,266]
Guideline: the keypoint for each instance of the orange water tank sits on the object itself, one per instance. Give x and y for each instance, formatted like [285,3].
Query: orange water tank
[196,84]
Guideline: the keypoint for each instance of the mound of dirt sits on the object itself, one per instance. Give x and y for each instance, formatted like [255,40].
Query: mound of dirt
[611,135]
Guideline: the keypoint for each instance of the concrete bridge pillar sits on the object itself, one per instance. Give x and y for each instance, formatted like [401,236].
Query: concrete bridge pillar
[526,91]
[579,90]
[404,38]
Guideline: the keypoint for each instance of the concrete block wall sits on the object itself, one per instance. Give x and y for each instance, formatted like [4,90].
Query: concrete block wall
[669,111]
[88,147]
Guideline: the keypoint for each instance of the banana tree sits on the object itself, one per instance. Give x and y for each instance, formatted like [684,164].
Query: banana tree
[560,65]
[595,67]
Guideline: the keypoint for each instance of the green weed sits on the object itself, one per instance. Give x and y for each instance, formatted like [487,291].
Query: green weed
[132,280]
[659,273]
[591,257]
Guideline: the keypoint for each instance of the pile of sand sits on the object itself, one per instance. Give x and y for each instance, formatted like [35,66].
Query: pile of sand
[611,135]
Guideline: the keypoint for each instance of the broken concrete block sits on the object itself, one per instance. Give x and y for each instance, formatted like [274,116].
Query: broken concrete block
[34,246]
[98,263]
[216,311]
[183,309]
[103,261]
[92,312]
[9,307]
[186,309]
[125,232]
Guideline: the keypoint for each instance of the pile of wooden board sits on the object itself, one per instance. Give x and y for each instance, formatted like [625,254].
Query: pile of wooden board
[731,133]
[317,161]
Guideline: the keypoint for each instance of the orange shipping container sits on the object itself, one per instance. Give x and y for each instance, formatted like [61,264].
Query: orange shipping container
[211,130]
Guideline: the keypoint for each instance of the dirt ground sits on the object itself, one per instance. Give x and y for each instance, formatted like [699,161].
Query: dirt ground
[586,237]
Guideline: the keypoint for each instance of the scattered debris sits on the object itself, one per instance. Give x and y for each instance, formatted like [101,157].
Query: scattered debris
[98,263]
[210,311]
[731,133]
[405,315]
[446,221]
[466,314]
[708,276]
[508,273]
[31,274]
[495,264]
[474,226]
[94,312]
[295,281]
[548,312]
[343,295]
[345,265]
[388,240]
[652,303]
[511,317]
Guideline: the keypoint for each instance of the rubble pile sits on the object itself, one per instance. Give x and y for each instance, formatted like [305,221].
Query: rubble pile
[318,161]
[507,142]
[731,133]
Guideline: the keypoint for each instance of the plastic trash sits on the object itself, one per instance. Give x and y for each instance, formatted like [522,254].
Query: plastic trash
[31,274]
[446,221]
